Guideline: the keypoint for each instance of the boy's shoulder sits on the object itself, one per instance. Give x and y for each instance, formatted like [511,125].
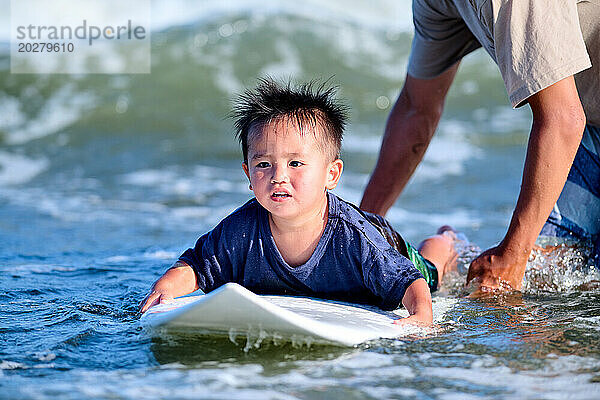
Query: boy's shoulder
[348,213]
[251,206]
[376,230]
[245,215]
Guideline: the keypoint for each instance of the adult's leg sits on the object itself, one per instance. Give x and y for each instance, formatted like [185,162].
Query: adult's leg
[439,250]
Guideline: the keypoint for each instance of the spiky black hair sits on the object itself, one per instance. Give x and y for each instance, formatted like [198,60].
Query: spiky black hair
[309,103]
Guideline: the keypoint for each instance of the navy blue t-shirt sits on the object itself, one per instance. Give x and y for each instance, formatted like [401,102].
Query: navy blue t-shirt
[352,262]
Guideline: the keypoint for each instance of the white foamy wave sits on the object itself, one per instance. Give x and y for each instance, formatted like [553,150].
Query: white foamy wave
[506,119]
[366,49]
[11,365]
[360,373]
[351,186]
[588,322]
[26,269]
[223,62]
[10,113]
[63,109]
[196,182]
[210,216]
[448,152]
[355,143]
[377,14]
[74,205]
[288,66]
[561,377]
[458,218]
[446,155]
[152,255]
[17,169]
[409,222]
[359,48]
[149,177]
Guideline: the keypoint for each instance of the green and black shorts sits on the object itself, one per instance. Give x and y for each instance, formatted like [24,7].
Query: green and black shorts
[425,266]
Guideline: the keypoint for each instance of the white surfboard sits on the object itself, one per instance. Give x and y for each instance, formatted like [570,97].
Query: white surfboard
[234,310]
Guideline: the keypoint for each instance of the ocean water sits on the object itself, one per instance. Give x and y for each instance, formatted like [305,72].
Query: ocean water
[106,179]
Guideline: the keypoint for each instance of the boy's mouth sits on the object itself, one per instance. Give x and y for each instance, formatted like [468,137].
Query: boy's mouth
[281,194]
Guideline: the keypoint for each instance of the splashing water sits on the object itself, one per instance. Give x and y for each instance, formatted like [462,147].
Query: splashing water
[560,266]
[466,252]
[554,265]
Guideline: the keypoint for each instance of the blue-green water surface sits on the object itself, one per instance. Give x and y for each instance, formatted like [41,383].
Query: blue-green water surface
[106,179]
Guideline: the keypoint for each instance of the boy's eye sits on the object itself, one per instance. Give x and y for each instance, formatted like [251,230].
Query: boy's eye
[295,163]
[262,164]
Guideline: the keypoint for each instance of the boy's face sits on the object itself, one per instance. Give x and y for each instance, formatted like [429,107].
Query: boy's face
[289,171]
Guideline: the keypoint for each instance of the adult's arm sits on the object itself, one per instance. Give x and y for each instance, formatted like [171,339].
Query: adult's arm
[558,124]
[410,127]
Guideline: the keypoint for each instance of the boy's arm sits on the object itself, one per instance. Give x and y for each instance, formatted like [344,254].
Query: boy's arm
[180,279]
[417,301]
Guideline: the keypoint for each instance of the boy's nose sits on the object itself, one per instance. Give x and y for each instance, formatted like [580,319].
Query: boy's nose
[279,175]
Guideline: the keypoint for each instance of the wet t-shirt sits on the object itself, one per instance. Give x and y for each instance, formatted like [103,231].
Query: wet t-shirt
[352,262]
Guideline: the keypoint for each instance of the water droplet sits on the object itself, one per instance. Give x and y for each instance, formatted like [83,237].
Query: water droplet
[122,104]
[382,102]
[226,30]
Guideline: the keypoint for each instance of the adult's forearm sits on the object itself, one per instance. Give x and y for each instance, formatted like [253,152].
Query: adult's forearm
[404,143]
[558,124]
[550,153]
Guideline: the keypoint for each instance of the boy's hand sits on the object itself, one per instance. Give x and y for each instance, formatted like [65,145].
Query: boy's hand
[180,279]
[417,301]
[154,298]
[413,320]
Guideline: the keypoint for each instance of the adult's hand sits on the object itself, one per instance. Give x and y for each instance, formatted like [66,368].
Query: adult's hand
[498,268]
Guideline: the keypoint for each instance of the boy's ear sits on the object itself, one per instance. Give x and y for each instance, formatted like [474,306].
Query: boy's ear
[246,170]
[334,173]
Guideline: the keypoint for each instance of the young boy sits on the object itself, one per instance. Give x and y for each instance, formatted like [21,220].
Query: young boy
[295,237]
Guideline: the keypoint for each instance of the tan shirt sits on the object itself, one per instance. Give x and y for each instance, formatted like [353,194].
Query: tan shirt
[535,43]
